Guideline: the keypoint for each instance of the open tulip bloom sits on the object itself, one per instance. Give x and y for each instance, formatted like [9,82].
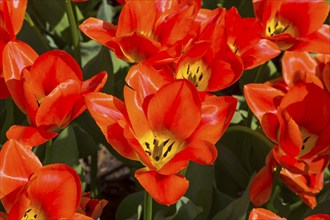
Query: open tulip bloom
[48,88]
[164,126]
[32,191]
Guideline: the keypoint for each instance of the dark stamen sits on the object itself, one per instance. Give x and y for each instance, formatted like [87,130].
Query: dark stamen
[236,50]
[148,152]
[157,158]
[154,141]
[268,29]
[29,210]
[197,70]
[35,216]
[188,69]
[285,28]
[200,77]
[303,147]
[306,139]
[147,145]
[168,150]
[165,142]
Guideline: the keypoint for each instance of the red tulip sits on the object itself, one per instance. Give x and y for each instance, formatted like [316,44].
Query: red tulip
[11,20]
[306,186]
[163,125]
[318,217]
[295,25]
[29,190]
[302,67]
[91,207]
[49,88]
[145,29]
[261,214]
[296,121]
[244,40]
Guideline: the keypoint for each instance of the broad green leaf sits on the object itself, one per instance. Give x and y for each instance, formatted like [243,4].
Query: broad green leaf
[130,207]
[231,178]
[251,148]
[220,200]
[260,74]
[183,209]
[86,144]
[106,11]
[7,119]
[201,179]
[237,209]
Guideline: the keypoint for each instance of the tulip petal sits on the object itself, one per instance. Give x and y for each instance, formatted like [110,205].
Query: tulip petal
[260,213]
[262,98]
[165,189]
[13,13]
[51,69]
[29,136]
[94,84]
[54,189]
[261,187]
[262,52]
[167,109]
[17,164]
[305,109]
[110,115]
[217,113]
[55,109]
[98,30]
[17,55]
[202,152]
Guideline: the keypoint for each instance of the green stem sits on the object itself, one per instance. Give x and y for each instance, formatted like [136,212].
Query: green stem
[94,180]
[147,213]
[36,31]
[74,31]
[276,176]
[48,157]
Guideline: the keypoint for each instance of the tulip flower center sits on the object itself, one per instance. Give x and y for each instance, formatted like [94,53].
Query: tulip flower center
[32,213]
[196,72]
[160,148]
[309,141]
[279,25]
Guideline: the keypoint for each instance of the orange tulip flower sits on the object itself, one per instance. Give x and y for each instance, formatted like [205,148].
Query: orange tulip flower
[295,25]
[91,207]
[49,88]
[306,186]
[302,67]
[145,29]
[318,217]
[164,125]
[296,121]
[30,191]
[11,21]
[261,214]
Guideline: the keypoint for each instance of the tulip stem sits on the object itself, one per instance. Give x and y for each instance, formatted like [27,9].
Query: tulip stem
[48,157]
[147,213]
[37,31]
[74,31]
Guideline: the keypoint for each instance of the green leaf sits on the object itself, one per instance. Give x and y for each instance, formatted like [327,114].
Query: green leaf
[106,11]
[8,116]
[201,179]
[183,209]
[130,207]
[86,144]
[237,209]
[65,150]
[230,176]
[251,148]
[220,200]
[260,74]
